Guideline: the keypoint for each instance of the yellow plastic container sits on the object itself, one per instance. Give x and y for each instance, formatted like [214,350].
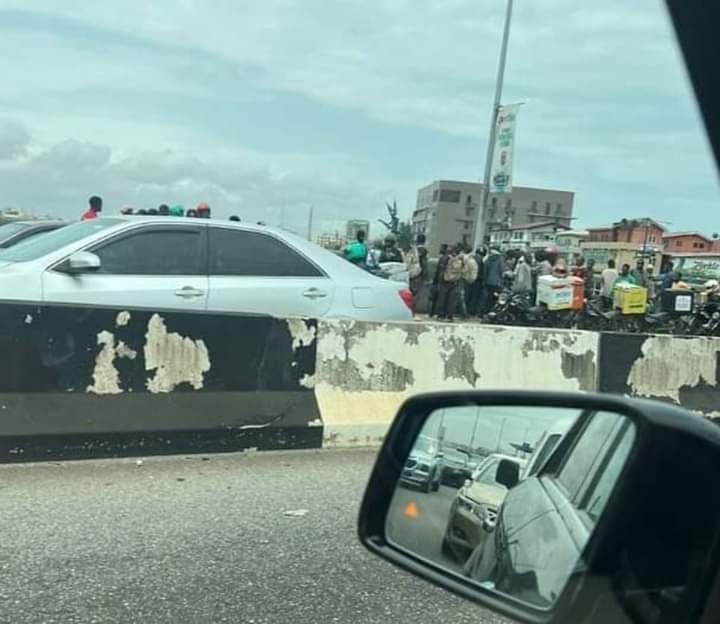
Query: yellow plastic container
[630,299]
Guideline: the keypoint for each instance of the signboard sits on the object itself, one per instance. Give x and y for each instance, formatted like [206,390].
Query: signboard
[502,161]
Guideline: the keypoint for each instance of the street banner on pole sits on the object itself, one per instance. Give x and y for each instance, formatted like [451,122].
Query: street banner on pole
[502,162]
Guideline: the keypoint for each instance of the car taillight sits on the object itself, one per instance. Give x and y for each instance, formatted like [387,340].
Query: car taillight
[407,298]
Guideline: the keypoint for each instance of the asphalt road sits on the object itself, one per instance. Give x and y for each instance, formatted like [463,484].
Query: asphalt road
[423,532]
[202,539]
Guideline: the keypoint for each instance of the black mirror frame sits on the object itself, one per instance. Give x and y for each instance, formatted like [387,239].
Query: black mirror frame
[653,421]
[507,473]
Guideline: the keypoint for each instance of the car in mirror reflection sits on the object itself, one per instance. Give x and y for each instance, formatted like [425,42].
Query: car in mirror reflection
[423,466]
[474,510]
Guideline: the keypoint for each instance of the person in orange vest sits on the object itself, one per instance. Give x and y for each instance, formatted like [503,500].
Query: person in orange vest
[95,207]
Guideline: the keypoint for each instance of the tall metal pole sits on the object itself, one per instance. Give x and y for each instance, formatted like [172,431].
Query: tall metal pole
[479,236]
[310,223]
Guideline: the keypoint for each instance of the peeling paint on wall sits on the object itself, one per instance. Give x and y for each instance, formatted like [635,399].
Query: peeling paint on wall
[308,381]
[106,379]
[301,332]
[176,359]
[365,370]
[672,367]
[122,318]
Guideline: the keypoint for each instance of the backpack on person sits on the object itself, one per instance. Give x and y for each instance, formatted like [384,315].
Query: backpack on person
[412,262]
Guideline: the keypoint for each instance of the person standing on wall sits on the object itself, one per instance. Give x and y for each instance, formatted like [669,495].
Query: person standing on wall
[95,208]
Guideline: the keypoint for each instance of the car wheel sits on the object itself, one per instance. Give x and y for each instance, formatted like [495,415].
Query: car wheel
[426,487]
[436,485]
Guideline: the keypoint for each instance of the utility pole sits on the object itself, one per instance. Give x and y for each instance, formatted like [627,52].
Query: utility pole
[479,234]
[310,223]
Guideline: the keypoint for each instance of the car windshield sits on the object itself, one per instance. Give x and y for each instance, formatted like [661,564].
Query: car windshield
[39,246]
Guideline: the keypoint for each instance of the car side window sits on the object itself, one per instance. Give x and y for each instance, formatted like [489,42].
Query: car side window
[487,476]
[595,498]
[548,446]
[242,252]
[171,251]
[587,453]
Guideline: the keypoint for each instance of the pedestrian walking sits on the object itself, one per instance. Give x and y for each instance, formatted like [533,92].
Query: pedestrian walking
[95,208]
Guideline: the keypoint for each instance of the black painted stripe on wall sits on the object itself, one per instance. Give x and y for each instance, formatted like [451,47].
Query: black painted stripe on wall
[251,396]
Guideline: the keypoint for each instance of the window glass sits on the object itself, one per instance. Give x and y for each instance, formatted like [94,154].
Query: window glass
[241,252]
[487,475]
[596,498]
[589,448]
[548,446]
[39,246]
[448,195]
[175,251]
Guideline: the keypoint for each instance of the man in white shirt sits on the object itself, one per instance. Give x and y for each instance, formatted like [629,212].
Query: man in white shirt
[607,283]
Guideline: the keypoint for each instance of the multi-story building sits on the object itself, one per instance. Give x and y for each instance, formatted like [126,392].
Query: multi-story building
[569,243]
[447,210]
[689,242]
[625,241]
[531,237]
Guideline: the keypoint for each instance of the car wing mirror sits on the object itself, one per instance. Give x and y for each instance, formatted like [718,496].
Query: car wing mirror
[616,522]
[508,473]
[83,262]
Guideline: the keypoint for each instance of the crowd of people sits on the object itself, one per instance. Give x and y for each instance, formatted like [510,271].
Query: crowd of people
[201,211]
[467,283]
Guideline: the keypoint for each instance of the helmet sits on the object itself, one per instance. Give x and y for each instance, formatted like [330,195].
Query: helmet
[177,210]
[390,238]
[712,284]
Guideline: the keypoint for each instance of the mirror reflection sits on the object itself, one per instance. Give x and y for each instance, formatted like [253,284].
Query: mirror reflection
[508,496]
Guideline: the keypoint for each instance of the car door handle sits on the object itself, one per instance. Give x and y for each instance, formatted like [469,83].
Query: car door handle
[314,293]
[188,292]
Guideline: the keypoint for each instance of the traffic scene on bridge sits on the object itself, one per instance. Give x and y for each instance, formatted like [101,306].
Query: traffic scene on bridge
[360,312]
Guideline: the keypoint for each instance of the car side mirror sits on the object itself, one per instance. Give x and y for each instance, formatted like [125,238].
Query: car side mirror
[605,531]
[508,473]
[83,262]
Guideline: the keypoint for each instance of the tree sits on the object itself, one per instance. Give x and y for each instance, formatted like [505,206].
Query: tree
[394,224]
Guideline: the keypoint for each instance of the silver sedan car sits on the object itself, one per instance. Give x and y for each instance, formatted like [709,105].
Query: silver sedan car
[195,264]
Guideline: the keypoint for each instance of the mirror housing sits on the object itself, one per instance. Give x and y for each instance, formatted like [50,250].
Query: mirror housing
[83,262]
[508,473]
[654,546]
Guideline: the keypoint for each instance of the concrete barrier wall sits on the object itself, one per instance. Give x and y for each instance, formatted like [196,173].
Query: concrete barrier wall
[96,382]
[365,370]
[90,382]
[679,369]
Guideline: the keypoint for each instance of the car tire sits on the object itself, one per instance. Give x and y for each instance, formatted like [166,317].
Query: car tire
[426,487]
[436,485]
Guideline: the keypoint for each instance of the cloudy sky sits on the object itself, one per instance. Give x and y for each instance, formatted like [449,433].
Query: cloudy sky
[265,108]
